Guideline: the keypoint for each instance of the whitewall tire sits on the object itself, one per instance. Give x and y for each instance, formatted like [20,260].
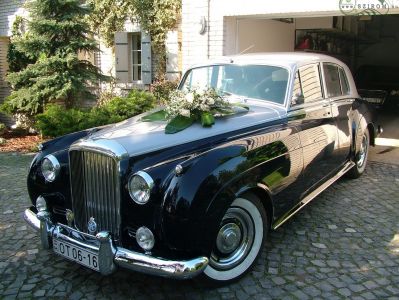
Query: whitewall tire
[240,240]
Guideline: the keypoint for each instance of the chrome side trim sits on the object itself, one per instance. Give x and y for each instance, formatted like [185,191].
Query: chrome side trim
[312,195]
[110,256]
[104,146]
[148,179]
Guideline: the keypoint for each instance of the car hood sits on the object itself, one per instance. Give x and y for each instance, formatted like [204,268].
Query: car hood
[138,137]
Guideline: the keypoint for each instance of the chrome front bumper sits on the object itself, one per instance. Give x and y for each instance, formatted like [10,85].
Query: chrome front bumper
[111,256]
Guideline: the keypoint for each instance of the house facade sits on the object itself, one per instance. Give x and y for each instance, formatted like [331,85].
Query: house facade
[240,26]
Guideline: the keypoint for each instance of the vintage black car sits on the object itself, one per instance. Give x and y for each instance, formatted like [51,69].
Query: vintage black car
[203,200]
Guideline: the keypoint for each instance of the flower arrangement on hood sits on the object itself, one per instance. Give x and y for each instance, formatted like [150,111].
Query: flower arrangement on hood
[184,108]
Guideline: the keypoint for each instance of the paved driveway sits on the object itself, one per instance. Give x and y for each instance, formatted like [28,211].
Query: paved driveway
[343,244]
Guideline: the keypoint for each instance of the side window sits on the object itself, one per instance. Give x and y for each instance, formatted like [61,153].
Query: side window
[331,76]
[344,82]
[307,87]
[310,81]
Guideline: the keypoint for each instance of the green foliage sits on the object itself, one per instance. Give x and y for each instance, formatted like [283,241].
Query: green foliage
[17,60]
[108,17]
[57,33]
[179,123]
[57,121]
[2,128]
[136,102]
[162,89]
[157,17]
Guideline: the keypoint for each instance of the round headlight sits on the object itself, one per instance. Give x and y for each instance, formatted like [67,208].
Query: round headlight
[50,168]
[145,238]
[140,185]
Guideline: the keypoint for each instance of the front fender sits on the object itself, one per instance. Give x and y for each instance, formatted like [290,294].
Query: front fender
[57,191]
[196,200]
[363,119]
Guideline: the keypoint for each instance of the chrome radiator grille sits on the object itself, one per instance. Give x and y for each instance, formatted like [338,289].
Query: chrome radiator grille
[95,188]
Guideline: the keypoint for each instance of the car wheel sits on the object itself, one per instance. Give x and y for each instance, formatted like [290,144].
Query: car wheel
[361,157]
[240,239]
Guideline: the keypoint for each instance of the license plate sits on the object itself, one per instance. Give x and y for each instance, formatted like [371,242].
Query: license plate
[77,254]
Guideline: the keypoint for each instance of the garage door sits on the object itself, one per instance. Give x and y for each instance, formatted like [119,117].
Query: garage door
[4,88]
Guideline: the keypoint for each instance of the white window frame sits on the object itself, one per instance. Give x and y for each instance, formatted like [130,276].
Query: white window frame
[135,66]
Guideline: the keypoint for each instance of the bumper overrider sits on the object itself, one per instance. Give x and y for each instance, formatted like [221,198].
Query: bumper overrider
[109,256]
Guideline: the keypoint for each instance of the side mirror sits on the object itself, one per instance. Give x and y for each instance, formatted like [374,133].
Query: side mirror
[297,99]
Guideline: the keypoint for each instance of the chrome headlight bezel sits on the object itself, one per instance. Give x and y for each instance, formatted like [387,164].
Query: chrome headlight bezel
[144,179]
[50,176]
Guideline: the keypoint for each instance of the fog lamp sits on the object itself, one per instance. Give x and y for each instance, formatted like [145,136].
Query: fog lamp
[145,238]
[41,204]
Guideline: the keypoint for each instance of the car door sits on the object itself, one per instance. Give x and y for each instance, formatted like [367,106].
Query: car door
[337,90]
[311,113]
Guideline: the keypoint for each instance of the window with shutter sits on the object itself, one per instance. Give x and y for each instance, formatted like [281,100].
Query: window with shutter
[133,57]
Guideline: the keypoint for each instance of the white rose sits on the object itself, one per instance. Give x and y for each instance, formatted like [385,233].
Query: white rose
[211,101]
[184,113]
[190,97]
[204,107]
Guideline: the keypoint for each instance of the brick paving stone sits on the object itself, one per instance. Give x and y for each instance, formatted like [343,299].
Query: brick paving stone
[319,245]
[344,292]
[313,256]
[39,293]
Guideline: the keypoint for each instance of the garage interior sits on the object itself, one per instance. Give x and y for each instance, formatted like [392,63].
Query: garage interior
[368,44]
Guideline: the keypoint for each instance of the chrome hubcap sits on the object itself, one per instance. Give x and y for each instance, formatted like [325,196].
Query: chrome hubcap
[229,238]
[234,239]
[362,152]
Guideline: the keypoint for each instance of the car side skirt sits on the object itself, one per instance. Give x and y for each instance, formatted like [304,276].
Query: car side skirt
[280,221]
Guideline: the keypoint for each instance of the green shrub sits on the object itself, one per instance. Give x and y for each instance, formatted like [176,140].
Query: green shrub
[135,103]
[57,121]
[3,128]
[161,89]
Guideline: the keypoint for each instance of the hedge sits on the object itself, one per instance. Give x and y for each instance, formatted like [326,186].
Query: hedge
[57,121]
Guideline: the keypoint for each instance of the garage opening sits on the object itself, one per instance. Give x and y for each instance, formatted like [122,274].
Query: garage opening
[369,45]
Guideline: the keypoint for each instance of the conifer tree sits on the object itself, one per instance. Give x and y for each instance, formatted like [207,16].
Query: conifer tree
[57,32]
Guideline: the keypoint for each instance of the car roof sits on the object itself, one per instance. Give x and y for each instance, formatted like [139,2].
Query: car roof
[284,59]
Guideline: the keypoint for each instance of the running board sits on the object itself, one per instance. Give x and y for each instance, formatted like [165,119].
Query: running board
[312,195]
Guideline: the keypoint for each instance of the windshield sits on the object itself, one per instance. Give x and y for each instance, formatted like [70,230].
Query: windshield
[250,81]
